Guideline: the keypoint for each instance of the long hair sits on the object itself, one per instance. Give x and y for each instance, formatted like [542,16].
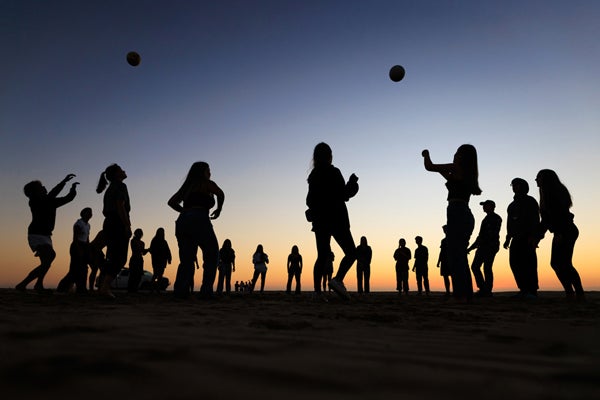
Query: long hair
[295,250]
[468,163]
[196,178]
[322,155]
[108,175]
[553,194]
[227,244]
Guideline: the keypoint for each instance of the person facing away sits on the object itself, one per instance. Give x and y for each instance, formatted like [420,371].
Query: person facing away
[326,200]
[420,266]
[442,263]
[364,254]
[522,230]
[43,205]
[136,262]
[487,244]
[80,255]
[260,260]
[555,205]
[294,269]
[461,177]
[116,226]
[193,228]
[402,255]
[160,254]
[226,267]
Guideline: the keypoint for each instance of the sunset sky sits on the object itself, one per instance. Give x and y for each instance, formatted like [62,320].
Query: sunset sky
[252,86]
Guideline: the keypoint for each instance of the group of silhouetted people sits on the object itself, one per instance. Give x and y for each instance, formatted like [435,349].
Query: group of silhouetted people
[328,192]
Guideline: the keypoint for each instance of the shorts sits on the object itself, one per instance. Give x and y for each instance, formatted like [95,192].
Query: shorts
[36,241]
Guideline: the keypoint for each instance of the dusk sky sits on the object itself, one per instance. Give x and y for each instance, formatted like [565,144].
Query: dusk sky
[252,86]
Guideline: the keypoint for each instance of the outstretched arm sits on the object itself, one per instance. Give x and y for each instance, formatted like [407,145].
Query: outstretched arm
[446,170]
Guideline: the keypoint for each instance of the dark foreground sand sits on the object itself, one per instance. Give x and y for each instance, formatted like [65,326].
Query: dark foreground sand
[278,346]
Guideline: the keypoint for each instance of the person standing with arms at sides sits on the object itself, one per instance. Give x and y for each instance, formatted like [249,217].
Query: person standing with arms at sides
[442,263]
[402,255]
[117,226]
[461,181]
[160,254]
[136,262]
[260,260]
[80,255]
[555,203]
[294,269]
[420,267]
[364,254]
[43,205]
[226,267]
[487,244]
[326,201]
[194,229]
[522,230]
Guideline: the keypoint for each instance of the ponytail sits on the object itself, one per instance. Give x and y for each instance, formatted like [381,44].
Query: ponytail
[108,175]
[102,183]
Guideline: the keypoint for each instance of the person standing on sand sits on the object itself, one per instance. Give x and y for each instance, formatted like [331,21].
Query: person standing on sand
[442,263]
[364,254]
[80,255]
[43,205]
[226,267]
[402,255]
[160,254]
[555,203]
[294,269]
[487,244]
[117,226]
[327,211]
[420,267]
[461,181]
[260,260]
[136,262]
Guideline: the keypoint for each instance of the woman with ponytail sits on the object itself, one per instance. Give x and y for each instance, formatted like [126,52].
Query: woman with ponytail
[117,226]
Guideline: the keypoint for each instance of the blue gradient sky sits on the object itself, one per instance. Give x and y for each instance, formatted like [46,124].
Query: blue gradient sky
[251,87]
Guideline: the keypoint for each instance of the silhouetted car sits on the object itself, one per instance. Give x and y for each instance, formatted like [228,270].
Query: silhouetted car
[122,279]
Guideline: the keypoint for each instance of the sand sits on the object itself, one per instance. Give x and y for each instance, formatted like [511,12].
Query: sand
[279,346]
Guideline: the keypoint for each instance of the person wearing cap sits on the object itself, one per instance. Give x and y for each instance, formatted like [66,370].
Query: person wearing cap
[522,228]
[487,244]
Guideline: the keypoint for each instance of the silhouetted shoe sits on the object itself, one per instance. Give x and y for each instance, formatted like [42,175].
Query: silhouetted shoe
[21,287]
[339,288]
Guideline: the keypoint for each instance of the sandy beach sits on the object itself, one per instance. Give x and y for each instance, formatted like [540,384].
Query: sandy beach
[294,347]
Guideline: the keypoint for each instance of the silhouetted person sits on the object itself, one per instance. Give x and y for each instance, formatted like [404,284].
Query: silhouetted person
[294,269]
[461,181]
[555,203]
[442,262]
[80,255]
[226,267]
[43,205]
[193,202]
[117,226]
[326,201]
[420,267]
[522,230]
[96,258]
[237,286]
[487,244]
[325,272]
[260,260]
[363,265]
[160,254]
[136,262]
[402,255]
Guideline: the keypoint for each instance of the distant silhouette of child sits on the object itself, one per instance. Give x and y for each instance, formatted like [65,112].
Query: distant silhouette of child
[420,267]
[442,263]
[364,254]
[160,254]
[461,181]
[260,260]
[555,205]
[402,255]
[43,205]
[294,269]
[326,201]
[226,267]
[80,255]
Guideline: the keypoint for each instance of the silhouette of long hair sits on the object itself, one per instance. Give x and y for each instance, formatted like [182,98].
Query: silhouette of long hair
[322,155]
[295,250]
[553,194]
[227,244]
[259,249]
[195,179]
[468,163]
[107,176]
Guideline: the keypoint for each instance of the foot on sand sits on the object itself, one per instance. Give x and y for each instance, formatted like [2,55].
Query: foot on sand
[339,288]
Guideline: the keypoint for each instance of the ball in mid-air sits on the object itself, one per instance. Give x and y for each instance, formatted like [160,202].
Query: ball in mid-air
[397,73]
[133,59]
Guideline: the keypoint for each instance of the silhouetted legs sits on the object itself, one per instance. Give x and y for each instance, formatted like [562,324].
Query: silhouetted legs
[460,224]
[523,264]
[422,279]
[485,280]
[262,275]
[224,279]
[46,254]
[293,274]
[158,270]
[561,261]
[363,274]
[447,284]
